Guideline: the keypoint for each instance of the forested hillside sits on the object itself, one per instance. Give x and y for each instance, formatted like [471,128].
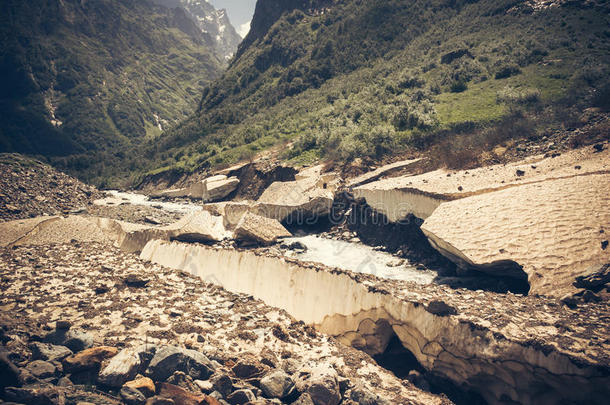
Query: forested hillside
[84,83]
[354,78]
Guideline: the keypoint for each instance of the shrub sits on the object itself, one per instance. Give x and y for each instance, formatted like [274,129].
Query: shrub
[507,71]
[458,86]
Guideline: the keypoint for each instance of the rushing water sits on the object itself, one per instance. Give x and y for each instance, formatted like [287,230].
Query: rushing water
[358,258]
[355,257]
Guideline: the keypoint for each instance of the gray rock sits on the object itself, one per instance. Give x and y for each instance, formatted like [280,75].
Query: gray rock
[132,396]
[440,308]
[364,397]
[41,369]
[122,368]
[304,399]
[74,340]
[277,384]
[240,397]
[222,383]
[9,373]
[34,395]
[159,401]
[291,366]
[50,352]
[323,386]
[169,359]
[205,386]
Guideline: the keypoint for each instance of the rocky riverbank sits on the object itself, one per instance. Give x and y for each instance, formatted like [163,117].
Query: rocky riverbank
[87,322]
[29,188]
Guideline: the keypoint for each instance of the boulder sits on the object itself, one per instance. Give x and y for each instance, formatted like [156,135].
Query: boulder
[41,369]
[198,226]
[322,385]
[73,339]
[364,397]
[222,383]
[179,395]
[254,228]
[230,211]
[122,368]
[304,399]
[9,373]
[132,396]
[44,394]
[277,384]
[240,397]
[143,384]
[218,187]
[294,201]
[169,359]
[88,359]
[49,352]
[248,367]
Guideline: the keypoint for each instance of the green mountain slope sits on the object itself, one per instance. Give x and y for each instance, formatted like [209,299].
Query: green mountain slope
[85,82]
[349,78]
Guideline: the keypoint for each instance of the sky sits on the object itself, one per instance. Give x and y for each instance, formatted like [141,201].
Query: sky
[240,13]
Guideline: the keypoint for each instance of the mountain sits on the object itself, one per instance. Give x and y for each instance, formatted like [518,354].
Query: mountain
[83,83]
[211,21]
[341,79]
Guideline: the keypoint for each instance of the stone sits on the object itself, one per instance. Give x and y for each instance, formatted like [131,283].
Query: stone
[254,228]
[122,368]
[44,394]
[47,351]
[205,386]
[304,399]
[218,187]
[295,201]
[269,358]
[143,384]
[277,384]
[182,380]
[364,397]
[9,373]
[322,385]
[222,383]
[156,400]
[63,325]
[132,396]
[198,226]
[135,280]
[88,359]
[41,369]
[240,397]
[73,339]
[179,395]
[440,308]
[169,359]
[248,367]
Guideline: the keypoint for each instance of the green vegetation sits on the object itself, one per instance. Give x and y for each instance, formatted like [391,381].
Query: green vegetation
[369,78]
[339,79]
[84,83]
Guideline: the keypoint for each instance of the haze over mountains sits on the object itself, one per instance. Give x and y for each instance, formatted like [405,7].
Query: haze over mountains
[334,79]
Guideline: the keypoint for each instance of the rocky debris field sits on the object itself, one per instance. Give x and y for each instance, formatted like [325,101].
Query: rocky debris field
[29,188]
[87,323]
